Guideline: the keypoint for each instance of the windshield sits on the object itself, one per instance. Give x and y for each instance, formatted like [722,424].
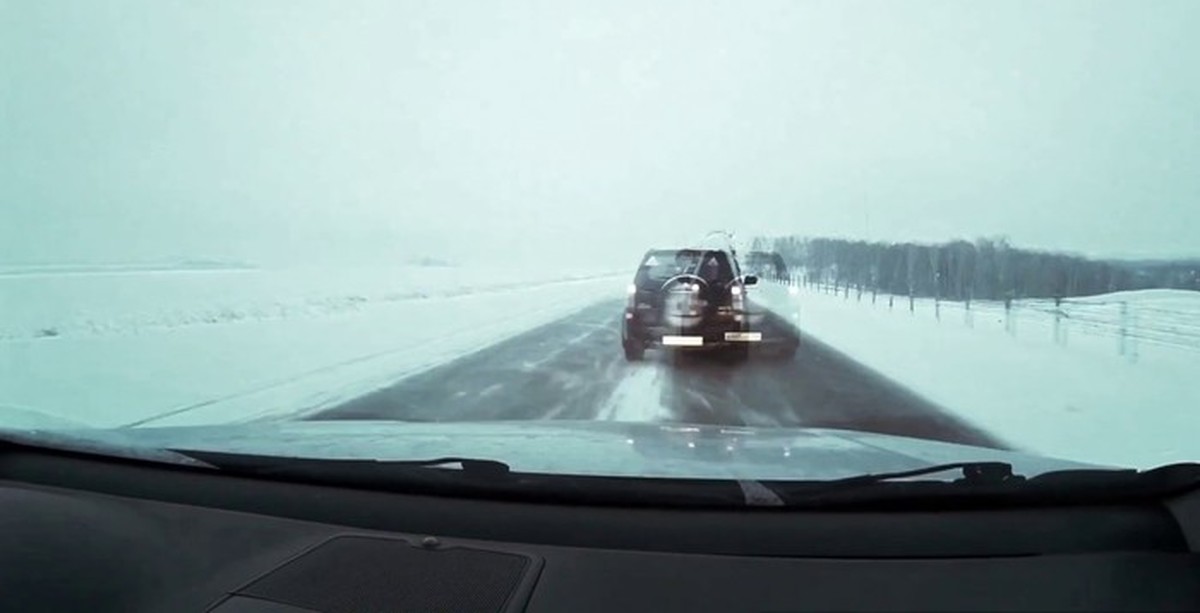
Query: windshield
[914,232]
[659,267]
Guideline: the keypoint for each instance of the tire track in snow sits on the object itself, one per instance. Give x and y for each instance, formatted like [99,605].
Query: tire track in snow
[639,397]
[573,369]
[820,388]
[563,370]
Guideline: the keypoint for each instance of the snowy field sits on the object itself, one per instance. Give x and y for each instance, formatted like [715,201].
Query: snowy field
[123,347]
[74,302]
[1112,379]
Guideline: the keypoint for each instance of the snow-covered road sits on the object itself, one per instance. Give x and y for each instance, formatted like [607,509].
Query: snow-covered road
[188,348]
[573,369]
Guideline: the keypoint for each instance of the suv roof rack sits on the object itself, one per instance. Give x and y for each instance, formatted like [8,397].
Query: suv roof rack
[719,239]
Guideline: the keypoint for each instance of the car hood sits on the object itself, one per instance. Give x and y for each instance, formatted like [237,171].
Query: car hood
[595,448]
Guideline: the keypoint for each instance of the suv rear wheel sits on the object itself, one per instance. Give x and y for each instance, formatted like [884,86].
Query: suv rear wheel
[635,351]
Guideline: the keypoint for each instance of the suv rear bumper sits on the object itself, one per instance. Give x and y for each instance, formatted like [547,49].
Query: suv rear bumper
[725,330]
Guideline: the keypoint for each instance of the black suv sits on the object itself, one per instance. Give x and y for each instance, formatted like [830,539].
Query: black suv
[688,299]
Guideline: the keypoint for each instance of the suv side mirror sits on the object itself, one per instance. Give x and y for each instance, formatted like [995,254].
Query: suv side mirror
[750,280]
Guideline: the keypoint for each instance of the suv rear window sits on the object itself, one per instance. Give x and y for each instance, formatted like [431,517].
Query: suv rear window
[658,266]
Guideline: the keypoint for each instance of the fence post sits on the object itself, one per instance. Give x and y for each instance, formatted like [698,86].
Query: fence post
[1129,325]
[1133,339]
[1066,329]
[1124,329]
[1058,340]
[1010,326]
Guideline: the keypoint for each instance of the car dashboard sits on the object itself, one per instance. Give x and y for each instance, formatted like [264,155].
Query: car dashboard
[81,533]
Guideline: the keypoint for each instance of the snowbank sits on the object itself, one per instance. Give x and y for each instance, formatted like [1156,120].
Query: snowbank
[213,347]
[1092,380]
[75,301]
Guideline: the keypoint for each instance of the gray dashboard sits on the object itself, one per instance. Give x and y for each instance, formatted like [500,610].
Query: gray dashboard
[83,534]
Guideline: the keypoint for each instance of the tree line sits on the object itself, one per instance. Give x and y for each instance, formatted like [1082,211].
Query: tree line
[990,269]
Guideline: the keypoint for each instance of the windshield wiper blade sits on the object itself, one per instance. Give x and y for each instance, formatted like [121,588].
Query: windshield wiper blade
[478,466]
[973,473]
[99,443]
[481,477]
[274,465]
[985,483]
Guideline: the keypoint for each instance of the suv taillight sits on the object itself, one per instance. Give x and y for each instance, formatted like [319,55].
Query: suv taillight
[737,295]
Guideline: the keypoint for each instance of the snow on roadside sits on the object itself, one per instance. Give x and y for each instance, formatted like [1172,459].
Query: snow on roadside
[1074,397]
[102,302]
[246,369]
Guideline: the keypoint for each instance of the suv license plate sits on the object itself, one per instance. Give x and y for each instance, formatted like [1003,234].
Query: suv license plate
[683,341]
[749,337]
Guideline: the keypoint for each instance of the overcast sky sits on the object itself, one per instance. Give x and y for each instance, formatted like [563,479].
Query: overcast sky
[284,130]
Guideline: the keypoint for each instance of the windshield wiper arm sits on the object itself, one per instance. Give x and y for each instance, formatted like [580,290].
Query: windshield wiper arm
[473,466]
[973,473]
[95,442]
[478,477]
[975,476]
[988,482]
[267,465]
